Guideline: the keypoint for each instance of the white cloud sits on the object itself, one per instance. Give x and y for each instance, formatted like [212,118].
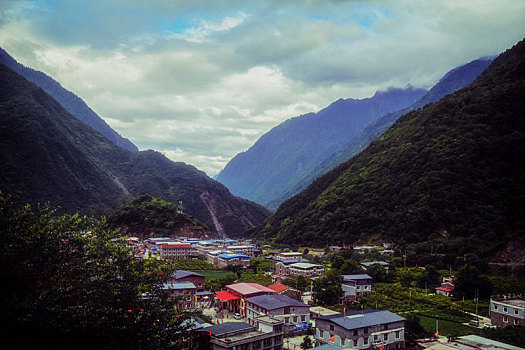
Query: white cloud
[202,81]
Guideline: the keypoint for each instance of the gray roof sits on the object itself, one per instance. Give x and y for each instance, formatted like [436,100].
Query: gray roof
[365,318]
[356,277]
[179,285]
[328,347]
[182,273]
[225,328]
[272,301]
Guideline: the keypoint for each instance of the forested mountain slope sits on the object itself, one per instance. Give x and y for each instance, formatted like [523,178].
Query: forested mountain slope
[48,155]
[71,102]
[451,174]
[298,145]
[455,79]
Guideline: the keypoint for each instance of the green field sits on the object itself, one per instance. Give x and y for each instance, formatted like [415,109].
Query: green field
[446,328]
[211,274]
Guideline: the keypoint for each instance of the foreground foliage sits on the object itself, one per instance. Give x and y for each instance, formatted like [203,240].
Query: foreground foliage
[66,285]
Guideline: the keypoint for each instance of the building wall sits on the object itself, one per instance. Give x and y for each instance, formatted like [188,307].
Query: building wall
[502,314]
[196,280]
[392,335]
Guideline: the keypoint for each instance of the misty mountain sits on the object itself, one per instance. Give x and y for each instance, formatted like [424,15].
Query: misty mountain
[455,79]
[47,155]
[450,175]
[71,102]
[298,145]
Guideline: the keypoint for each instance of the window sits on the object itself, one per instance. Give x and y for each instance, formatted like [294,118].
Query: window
[303,318]
[505,319]
[376,337]
[331,327]
[495,307]
[366,330]
[355,332]
[398,333]
[366,287]
[515,312]
[365,341]
[516,322]
[504,309]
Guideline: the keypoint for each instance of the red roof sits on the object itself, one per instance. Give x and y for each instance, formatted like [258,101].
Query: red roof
[278,287]
[179,245]
[224,295]
[246,289]
[445,289]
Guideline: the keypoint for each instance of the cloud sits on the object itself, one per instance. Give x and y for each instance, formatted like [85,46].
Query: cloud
[202,81]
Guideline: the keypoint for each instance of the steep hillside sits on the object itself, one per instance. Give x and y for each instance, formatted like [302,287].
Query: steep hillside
[451,175]
[71,102]
[298,145]
[48,155]
[455,79]
[147,216]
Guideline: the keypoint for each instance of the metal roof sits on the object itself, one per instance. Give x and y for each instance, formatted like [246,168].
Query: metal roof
[278,287]
[370,263]
[225,328]
[272,302]
[179,285]
[182,273]
[224,295]
[365,318]
[232,256]
[249,288]
[356,277]
[305,265]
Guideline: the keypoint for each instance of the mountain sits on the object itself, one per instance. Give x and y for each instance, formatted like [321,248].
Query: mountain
[148,216]
[455,79]
[71,102]
[450,175]
[46,154]
[298,145]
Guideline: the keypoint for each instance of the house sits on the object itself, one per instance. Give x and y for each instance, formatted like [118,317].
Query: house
[288,256]
[246,249]
[366,265]
[267,335]
[282,266]
[354,286]
[283,289]
[174,250]
[229,259]
[365,329]
[212,256]
[189,276]
[305,269]
[447,287]
[506,312]
[288,310]
[234,297]
[184,290]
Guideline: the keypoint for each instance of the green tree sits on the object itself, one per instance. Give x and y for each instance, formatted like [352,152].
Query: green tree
[71,286]
[327,288]
[351,267]
[430,279]
[300,283]
[307,343]
[377,272]
[337,261]
[470,281]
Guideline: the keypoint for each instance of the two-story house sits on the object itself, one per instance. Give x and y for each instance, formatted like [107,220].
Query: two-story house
[281,307]
[364,329]
[507,312]
[354,286]
[189,276]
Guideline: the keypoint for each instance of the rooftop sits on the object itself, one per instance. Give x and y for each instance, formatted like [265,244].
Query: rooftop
[370,263]
[222,329]
[232,256]
[517,302]
[305,265]
[364,318]
[182,273]
[246,289]
[268,320]
[272,302]
[278,287]
[179,285]
[356,277]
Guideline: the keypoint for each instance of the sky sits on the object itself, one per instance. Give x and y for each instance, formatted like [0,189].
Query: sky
[201,80]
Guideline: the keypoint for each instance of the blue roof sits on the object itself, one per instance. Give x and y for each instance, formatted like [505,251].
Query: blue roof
[365,318]
[370,263]
[232,255]
[272,302]
[179,285]
[357,277]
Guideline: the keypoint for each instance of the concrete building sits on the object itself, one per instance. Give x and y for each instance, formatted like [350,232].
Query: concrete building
[281,307]
[506,312]
[366,265]
[280,256]
[466,342]
[354,286]
[246,249]
[305,269]
[234,297]
[364,329]
[267,335]
[174,250]
[185,290]
[229,259]
[189,276]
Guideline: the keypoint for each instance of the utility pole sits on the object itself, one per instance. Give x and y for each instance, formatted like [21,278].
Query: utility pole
[405,259]
[477,295]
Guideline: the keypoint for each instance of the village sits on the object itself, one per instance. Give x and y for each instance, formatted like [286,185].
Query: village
[252,297]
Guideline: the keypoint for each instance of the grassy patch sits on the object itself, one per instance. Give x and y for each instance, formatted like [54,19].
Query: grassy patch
[446,328]
[212,274]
